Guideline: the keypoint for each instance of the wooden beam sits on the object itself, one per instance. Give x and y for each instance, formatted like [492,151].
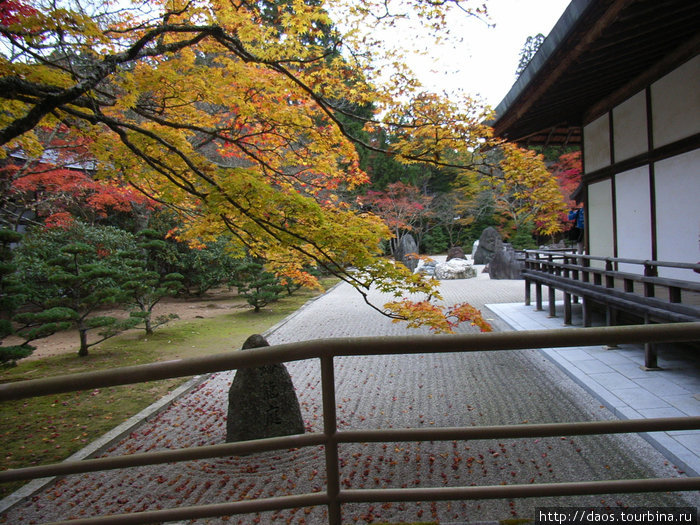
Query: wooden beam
[559,63]
[682,54]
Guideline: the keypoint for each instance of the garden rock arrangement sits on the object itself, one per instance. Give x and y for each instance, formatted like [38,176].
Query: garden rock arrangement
[426,267]
[262,402]
[456,252]
[455,269]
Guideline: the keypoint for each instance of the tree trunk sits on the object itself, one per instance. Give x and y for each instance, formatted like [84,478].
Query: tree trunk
[83,343]
[149,325]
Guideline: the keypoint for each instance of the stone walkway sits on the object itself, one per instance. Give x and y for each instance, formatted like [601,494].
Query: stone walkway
[373,392]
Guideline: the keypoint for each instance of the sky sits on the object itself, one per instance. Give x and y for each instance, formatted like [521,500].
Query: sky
[485,60]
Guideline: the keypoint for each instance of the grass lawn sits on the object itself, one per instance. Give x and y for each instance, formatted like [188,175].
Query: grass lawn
[48,429]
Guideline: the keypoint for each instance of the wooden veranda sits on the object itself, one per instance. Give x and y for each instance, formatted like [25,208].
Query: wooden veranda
[622,295]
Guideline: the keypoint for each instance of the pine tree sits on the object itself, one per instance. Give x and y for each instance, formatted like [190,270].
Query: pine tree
[148,281]
[10,299]
[71,274]
[257,285]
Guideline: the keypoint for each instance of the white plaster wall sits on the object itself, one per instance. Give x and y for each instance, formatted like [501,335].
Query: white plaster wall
[630,127]
[633,217]
[676,104]
[677,182]
[600,223]
[596,140]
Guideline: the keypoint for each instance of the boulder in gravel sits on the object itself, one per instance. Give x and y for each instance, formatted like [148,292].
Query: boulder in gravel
[505,264]
[262,402]
[406,251]
[426,267]
[456,252]
[455,269]
[490,243]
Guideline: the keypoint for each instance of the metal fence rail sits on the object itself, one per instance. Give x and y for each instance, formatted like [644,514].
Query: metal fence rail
[330,438]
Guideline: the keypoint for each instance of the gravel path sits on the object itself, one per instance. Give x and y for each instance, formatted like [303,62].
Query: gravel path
[377,392]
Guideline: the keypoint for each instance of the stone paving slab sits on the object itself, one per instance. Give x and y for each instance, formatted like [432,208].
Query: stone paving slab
[424,391]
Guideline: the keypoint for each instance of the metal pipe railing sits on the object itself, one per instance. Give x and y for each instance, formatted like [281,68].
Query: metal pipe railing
[205,511]
[397,495]
[577,488]
[493,341]
[326,350]
[331,439]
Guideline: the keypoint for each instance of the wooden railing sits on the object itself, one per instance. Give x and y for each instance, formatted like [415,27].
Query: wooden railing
[334,497]
[598,281]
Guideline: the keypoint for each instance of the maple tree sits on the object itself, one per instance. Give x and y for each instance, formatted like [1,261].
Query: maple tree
[568,170]
[524,191]
[56,183]
[230,114]
[400,206]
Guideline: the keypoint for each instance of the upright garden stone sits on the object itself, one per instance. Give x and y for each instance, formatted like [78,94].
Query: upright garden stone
[490,243]
[262,402]
[406,250]
[426,267]
[505,264]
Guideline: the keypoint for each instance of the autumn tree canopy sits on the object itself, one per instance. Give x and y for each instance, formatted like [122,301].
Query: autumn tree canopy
[524,192]
[57,186]
[232,113]
[400,206]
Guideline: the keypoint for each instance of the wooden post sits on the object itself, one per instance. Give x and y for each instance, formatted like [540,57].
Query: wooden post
[527,292]
[550,289]
[651,361]
[575,276]
[610,312]
[609,279]
[538,287]
[586,312]
[650,271]
[552,304]
[567,308]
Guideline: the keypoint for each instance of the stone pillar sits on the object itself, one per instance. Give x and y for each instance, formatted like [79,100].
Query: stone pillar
[262,402]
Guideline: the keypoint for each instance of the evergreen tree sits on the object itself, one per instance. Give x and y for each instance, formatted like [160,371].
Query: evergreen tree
[74,279]
[257,285]
[202,268]
[10,299]
[13,295]
[529,49]
[148,280]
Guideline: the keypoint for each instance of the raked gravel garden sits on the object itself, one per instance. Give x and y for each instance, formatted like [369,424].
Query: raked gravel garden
[423,391]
